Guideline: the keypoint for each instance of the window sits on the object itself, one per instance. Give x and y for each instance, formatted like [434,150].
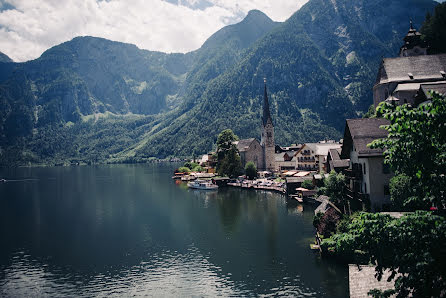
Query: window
[386,168]
[364,169]
[365,187]
[386,190]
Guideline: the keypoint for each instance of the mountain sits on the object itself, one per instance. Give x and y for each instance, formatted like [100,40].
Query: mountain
[320,65]
[5,58]
[92,99]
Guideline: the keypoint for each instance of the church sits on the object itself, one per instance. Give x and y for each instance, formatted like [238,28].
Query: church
[261,153]
[406,79]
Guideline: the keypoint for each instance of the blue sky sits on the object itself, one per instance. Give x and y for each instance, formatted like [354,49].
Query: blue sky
[29,27]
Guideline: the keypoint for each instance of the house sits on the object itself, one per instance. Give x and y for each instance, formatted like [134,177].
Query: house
[285,161]
[334,161]
[399,79]
[313,156]
[368,175]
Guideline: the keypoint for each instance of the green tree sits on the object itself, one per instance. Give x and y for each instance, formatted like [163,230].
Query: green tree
[228,158]
[308,184]
[250,170]
[184,170]
[433,30]
[335,188]
[416,147]
[371,112]
[412,248]
[402,194]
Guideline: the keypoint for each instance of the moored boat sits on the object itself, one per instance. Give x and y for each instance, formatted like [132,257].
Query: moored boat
[202,184]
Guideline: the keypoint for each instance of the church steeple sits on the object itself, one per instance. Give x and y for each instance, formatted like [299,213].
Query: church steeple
[267,138]
[413,44]
[266,113]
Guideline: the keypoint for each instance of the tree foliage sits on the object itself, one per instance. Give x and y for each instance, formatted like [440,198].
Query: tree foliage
[433,30]
[250,170]
[228,159]
[412,248]
[416,147]
[335,188]
[308,184]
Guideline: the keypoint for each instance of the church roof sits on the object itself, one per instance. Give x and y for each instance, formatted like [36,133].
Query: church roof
[412,69]
[243,145]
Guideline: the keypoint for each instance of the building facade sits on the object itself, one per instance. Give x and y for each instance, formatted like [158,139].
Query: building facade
[313,156]
[367,173]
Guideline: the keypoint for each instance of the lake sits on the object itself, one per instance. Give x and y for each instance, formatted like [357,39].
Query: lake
[130,230]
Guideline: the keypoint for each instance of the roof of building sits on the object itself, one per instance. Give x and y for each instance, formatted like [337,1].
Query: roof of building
[320,148]
[437,87]
[361,279]
[243,145]
[266,113]
[401,69]
[407,87]
[360,133]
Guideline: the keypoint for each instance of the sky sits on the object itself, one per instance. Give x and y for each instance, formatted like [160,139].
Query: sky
[29,27]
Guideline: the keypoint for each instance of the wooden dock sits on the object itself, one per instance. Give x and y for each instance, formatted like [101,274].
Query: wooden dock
[258,187]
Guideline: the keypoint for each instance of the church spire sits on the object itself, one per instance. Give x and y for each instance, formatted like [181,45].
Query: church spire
[266,113]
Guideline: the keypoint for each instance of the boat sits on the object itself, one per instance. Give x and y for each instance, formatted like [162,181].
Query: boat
[202,184]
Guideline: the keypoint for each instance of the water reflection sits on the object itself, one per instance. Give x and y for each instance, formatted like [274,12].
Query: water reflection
[113,230]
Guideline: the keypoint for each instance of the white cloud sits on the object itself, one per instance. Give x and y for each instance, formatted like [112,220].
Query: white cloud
[163,25]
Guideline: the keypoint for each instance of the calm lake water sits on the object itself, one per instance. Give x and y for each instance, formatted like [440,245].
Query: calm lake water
[130,230]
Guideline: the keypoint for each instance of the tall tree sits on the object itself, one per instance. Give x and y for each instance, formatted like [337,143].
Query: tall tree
[416,147]
[228,159]
[433,30]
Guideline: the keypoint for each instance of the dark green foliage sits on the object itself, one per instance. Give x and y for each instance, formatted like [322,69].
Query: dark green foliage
[308,184]
[402,194]
[250,170]
[371,112]
[190,164]
[433,30]
[335,187]
[228,159]
[416,147]
[412,248]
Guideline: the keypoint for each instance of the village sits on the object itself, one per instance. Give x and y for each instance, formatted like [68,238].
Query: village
[299,171]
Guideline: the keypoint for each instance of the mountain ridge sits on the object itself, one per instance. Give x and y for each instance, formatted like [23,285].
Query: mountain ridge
[115,102]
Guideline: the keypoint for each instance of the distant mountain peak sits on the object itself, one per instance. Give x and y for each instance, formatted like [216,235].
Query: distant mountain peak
[257,15]
[5,58]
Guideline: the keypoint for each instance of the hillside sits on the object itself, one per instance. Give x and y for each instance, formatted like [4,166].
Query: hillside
[320,65]
[92,99]
[4,58]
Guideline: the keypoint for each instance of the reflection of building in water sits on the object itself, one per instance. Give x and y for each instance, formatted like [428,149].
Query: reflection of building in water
[294,209]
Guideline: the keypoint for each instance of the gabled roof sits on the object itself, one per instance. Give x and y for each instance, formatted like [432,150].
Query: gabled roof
[360,132]
[424,67]
[243,145]
[336,161]
[439,88]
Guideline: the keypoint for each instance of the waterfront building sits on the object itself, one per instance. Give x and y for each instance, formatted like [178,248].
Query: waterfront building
[400,79]
[367,173]
[313,156]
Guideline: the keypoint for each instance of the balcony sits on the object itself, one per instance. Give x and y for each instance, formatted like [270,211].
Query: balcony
[356,195]
[355,172]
